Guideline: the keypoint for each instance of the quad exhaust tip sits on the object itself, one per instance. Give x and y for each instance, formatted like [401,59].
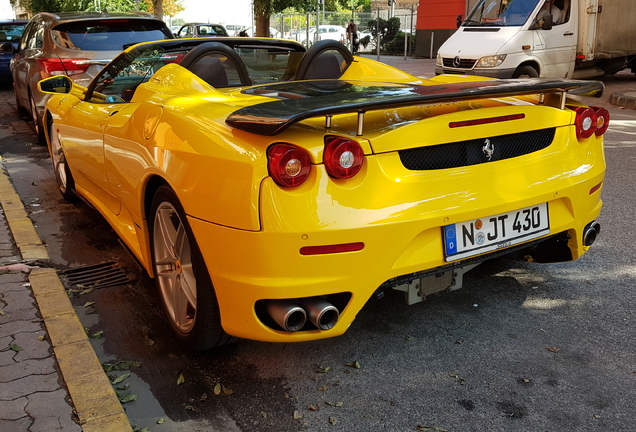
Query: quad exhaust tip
[292,315]
[590,232]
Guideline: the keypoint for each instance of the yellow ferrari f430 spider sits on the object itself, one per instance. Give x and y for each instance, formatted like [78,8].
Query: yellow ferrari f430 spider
[272,190]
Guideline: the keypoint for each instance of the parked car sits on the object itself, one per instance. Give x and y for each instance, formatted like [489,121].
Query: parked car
[192,30]
[272,190]
[234,29]
[333,32]
[77,44]
[10,31]
[249,32]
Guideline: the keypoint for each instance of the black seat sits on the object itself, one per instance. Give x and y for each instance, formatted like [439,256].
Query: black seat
[204,60]
[210,69]
[327,59]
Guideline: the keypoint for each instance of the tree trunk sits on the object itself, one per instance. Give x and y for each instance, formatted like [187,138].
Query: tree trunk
[262,12]
[158,7]
[262,26]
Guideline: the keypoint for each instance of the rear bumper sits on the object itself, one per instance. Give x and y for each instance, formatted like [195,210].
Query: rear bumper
[399,222]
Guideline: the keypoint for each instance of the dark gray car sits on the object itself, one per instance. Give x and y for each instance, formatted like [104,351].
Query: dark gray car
[77,44]
[192,30]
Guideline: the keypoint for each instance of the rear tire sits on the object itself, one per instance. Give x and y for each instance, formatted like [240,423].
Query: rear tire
[63,176]
[181,276]
[526,72]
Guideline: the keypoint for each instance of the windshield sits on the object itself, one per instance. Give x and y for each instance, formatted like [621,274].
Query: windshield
[500,13]
[11,32]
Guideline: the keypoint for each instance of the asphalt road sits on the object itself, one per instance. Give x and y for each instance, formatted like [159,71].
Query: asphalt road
[523,347]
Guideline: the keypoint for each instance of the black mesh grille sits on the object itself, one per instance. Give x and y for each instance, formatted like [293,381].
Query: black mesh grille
[473,152]
[463,63]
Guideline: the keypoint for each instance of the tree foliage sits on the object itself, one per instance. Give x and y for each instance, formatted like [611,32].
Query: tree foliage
[158,8]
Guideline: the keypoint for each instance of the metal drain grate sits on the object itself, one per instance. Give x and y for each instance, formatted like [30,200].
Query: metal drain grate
[96,276]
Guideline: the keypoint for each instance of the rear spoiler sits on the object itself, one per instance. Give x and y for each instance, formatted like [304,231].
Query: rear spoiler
[300,100]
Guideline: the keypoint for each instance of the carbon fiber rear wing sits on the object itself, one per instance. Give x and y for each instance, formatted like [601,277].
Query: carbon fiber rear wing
[300,100]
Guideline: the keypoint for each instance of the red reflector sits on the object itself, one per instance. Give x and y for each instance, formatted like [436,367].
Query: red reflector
[595,188]
[486,120]
[580,57]
[331,249]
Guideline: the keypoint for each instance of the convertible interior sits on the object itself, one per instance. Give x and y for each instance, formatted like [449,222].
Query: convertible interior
[224,63]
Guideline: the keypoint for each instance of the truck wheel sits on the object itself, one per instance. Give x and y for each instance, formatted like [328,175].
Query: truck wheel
[526,72]
[182,277]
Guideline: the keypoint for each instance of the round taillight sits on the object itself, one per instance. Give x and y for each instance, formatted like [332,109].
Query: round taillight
[288,165]
[602,120]
[343,157]
[585,122]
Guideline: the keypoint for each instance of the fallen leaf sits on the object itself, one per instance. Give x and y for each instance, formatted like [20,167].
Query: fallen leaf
[89,310]
[524,381]
[190,408]
[40,338]
[1,312]
[86,291]
[148,341]
[459,342]
[597,416]
[313,407]
[180,380]
[98,335]
[87,304]
[287,395]
[226,390]
[298,415]
[264,414]
[462,381]
[217,389]
[553,349]
[322,388]
[324,370]
[120,378]
[333,421]
[430,428]
[453,375]
[161,420]
[15,347]
[129,398]
[203,397]
[124,387]
[354,364]
[409,338]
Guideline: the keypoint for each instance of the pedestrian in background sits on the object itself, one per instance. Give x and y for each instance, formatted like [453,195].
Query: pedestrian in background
[352,36]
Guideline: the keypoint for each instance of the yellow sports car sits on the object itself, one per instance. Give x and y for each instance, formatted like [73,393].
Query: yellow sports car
[272,190]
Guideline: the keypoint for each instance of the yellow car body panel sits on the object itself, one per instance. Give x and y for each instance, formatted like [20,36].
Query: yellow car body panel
[250,230]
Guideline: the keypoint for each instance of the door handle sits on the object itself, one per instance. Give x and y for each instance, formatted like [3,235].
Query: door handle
[568,33]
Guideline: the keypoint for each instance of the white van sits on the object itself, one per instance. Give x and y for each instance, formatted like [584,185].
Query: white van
[542,38]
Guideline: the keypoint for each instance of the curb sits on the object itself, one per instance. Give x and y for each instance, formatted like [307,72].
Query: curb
[94,399]
[624,99]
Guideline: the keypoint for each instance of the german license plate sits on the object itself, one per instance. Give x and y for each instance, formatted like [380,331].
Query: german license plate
[478,236]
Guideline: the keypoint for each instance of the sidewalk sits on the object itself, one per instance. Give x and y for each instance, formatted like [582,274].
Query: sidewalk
[50,377]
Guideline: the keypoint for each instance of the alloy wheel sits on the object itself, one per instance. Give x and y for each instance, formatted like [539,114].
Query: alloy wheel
[173,267]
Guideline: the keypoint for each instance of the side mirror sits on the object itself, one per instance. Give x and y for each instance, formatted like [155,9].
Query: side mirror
[56,84]
[460,19]
[547,22]
[7,47]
